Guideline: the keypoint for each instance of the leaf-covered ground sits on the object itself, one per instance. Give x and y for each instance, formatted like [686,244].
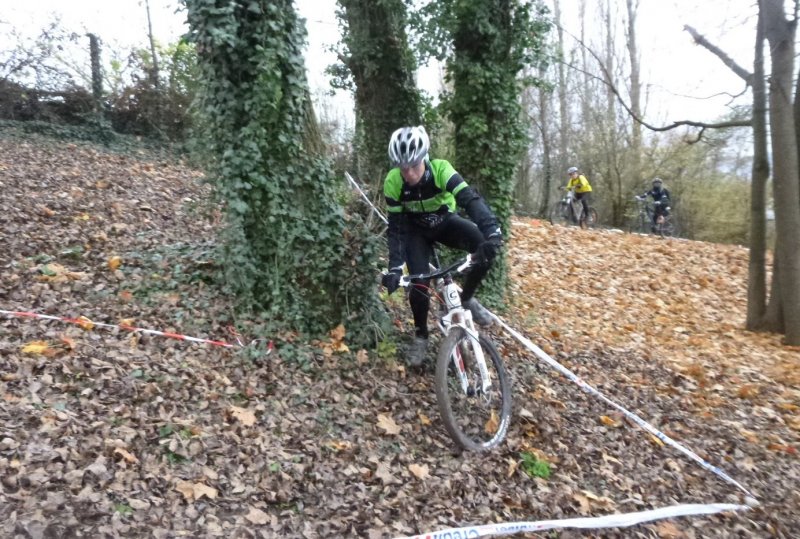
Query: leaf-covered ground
[110,433]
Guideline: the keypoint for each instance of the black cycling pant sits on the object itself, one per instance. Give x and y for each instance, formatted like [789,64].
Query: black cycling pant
[455,232]
[583,198]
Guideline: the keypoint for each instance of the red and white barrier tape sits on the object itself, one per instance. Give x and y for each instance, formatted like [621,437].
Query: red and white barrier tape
[622,520]
[86,322]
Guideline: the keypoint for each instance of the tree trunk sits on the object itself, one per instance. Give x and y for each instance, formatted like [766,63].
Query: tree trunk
[154,74]
[612,176]
[756,279]
[524,180]
[283,214]
[563,110]
[586,107]
[547,167]
[773,317]
[97,74]
[786,179]
[636,91]
[382,67]
[489,39]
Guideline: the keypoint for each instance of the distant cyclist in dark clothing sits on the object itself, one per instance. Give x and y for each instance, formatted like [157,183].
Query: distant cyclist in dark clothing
[661,201]
[421,197]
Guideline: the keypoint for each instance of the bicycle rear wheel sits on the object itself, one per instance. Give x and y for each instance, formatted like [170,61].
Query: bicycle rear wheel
[476,420]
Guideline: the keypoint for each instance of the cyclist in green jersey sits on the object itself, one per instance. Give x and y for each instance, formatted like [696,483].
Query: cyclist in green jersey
[422,196]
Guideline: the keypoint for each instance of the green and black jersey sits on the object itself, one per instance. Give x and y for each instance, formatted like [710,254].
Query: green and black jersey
[439,193]
[435,192]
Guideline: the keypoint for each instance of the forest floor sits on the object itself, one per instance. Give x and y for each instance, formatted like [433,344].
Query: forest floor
[105,432]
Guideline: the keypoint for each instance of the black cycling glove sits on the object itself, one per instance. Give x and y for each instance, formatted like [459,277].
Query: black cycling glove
[487,251]
[391,280]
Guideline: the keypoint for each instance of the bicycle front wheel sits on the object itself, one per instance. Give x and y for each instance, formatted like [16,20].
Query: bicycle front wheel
[591,220]
[477,419]
[556,214]
[666,228]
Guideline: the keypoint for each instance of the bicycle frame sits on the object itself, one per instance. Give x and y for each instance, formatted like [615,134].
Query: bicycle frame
[647,215]
[457,316]
[645,212]
[571,209]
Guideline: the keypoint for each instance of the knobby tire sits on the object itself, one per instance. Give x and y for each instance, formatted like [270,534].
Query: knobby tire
[591,222]
[444,374]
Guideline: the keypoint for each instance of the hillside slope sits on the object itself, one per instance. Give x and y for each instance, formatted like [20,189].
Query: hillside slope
[105,432]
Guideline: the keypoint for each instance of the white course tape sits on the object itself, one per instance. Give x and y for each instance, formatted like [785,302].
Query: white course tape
[621,520]
[364,195]
[630,415]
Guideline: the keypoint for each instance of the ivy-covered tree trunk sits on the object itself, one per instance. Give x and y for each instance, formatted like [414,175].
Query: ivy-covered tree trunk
[97,73]
[382,67]
[491,40]
[290,252]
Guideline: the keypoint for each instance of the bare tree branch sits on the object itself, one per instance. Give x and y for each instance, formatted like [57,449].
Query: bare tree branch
[727,60]
[608,80]
[668,127]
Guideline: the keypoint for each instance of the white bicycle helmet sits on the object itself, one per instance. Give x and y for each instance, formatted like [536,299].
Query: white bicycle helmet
[570,170]
[408,146]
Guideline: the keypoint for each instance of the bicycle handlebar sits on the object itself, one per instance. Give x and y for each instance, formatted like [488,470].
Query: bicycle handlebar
[459,267]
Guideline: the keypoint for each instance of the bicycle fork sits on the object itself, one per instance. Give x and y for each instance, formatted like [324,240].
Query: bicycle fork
[474,347]
[458,316]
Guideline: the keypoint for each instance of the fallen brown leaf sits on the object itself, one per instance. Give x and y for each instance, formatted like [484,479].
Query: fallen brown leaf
[245,416]
[126,456]
[386,423]
[195,491]
[419,471]
[257,516]
[35,348]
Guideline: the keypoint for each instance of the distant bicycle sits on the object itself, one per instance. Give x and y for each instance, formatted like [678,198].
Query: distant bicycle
[664,225]
[567,208]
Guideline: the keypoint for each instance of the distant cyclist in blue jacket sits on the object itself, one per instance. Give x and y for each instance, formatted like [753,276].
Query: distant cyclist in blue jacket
[661,201]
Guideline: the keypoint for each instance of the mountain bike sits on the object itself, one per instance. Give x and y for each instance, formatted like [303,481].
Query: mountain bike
[664,225]
[473,390]
[567,208]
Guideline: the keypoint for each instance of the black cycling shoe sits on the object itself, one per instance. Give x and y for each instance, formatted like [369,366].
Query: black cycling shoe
[480,314]
[417,351]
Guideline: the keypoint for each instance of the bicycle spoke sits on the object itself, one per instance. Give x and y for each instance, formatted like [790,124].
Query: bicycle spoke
[476,415]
